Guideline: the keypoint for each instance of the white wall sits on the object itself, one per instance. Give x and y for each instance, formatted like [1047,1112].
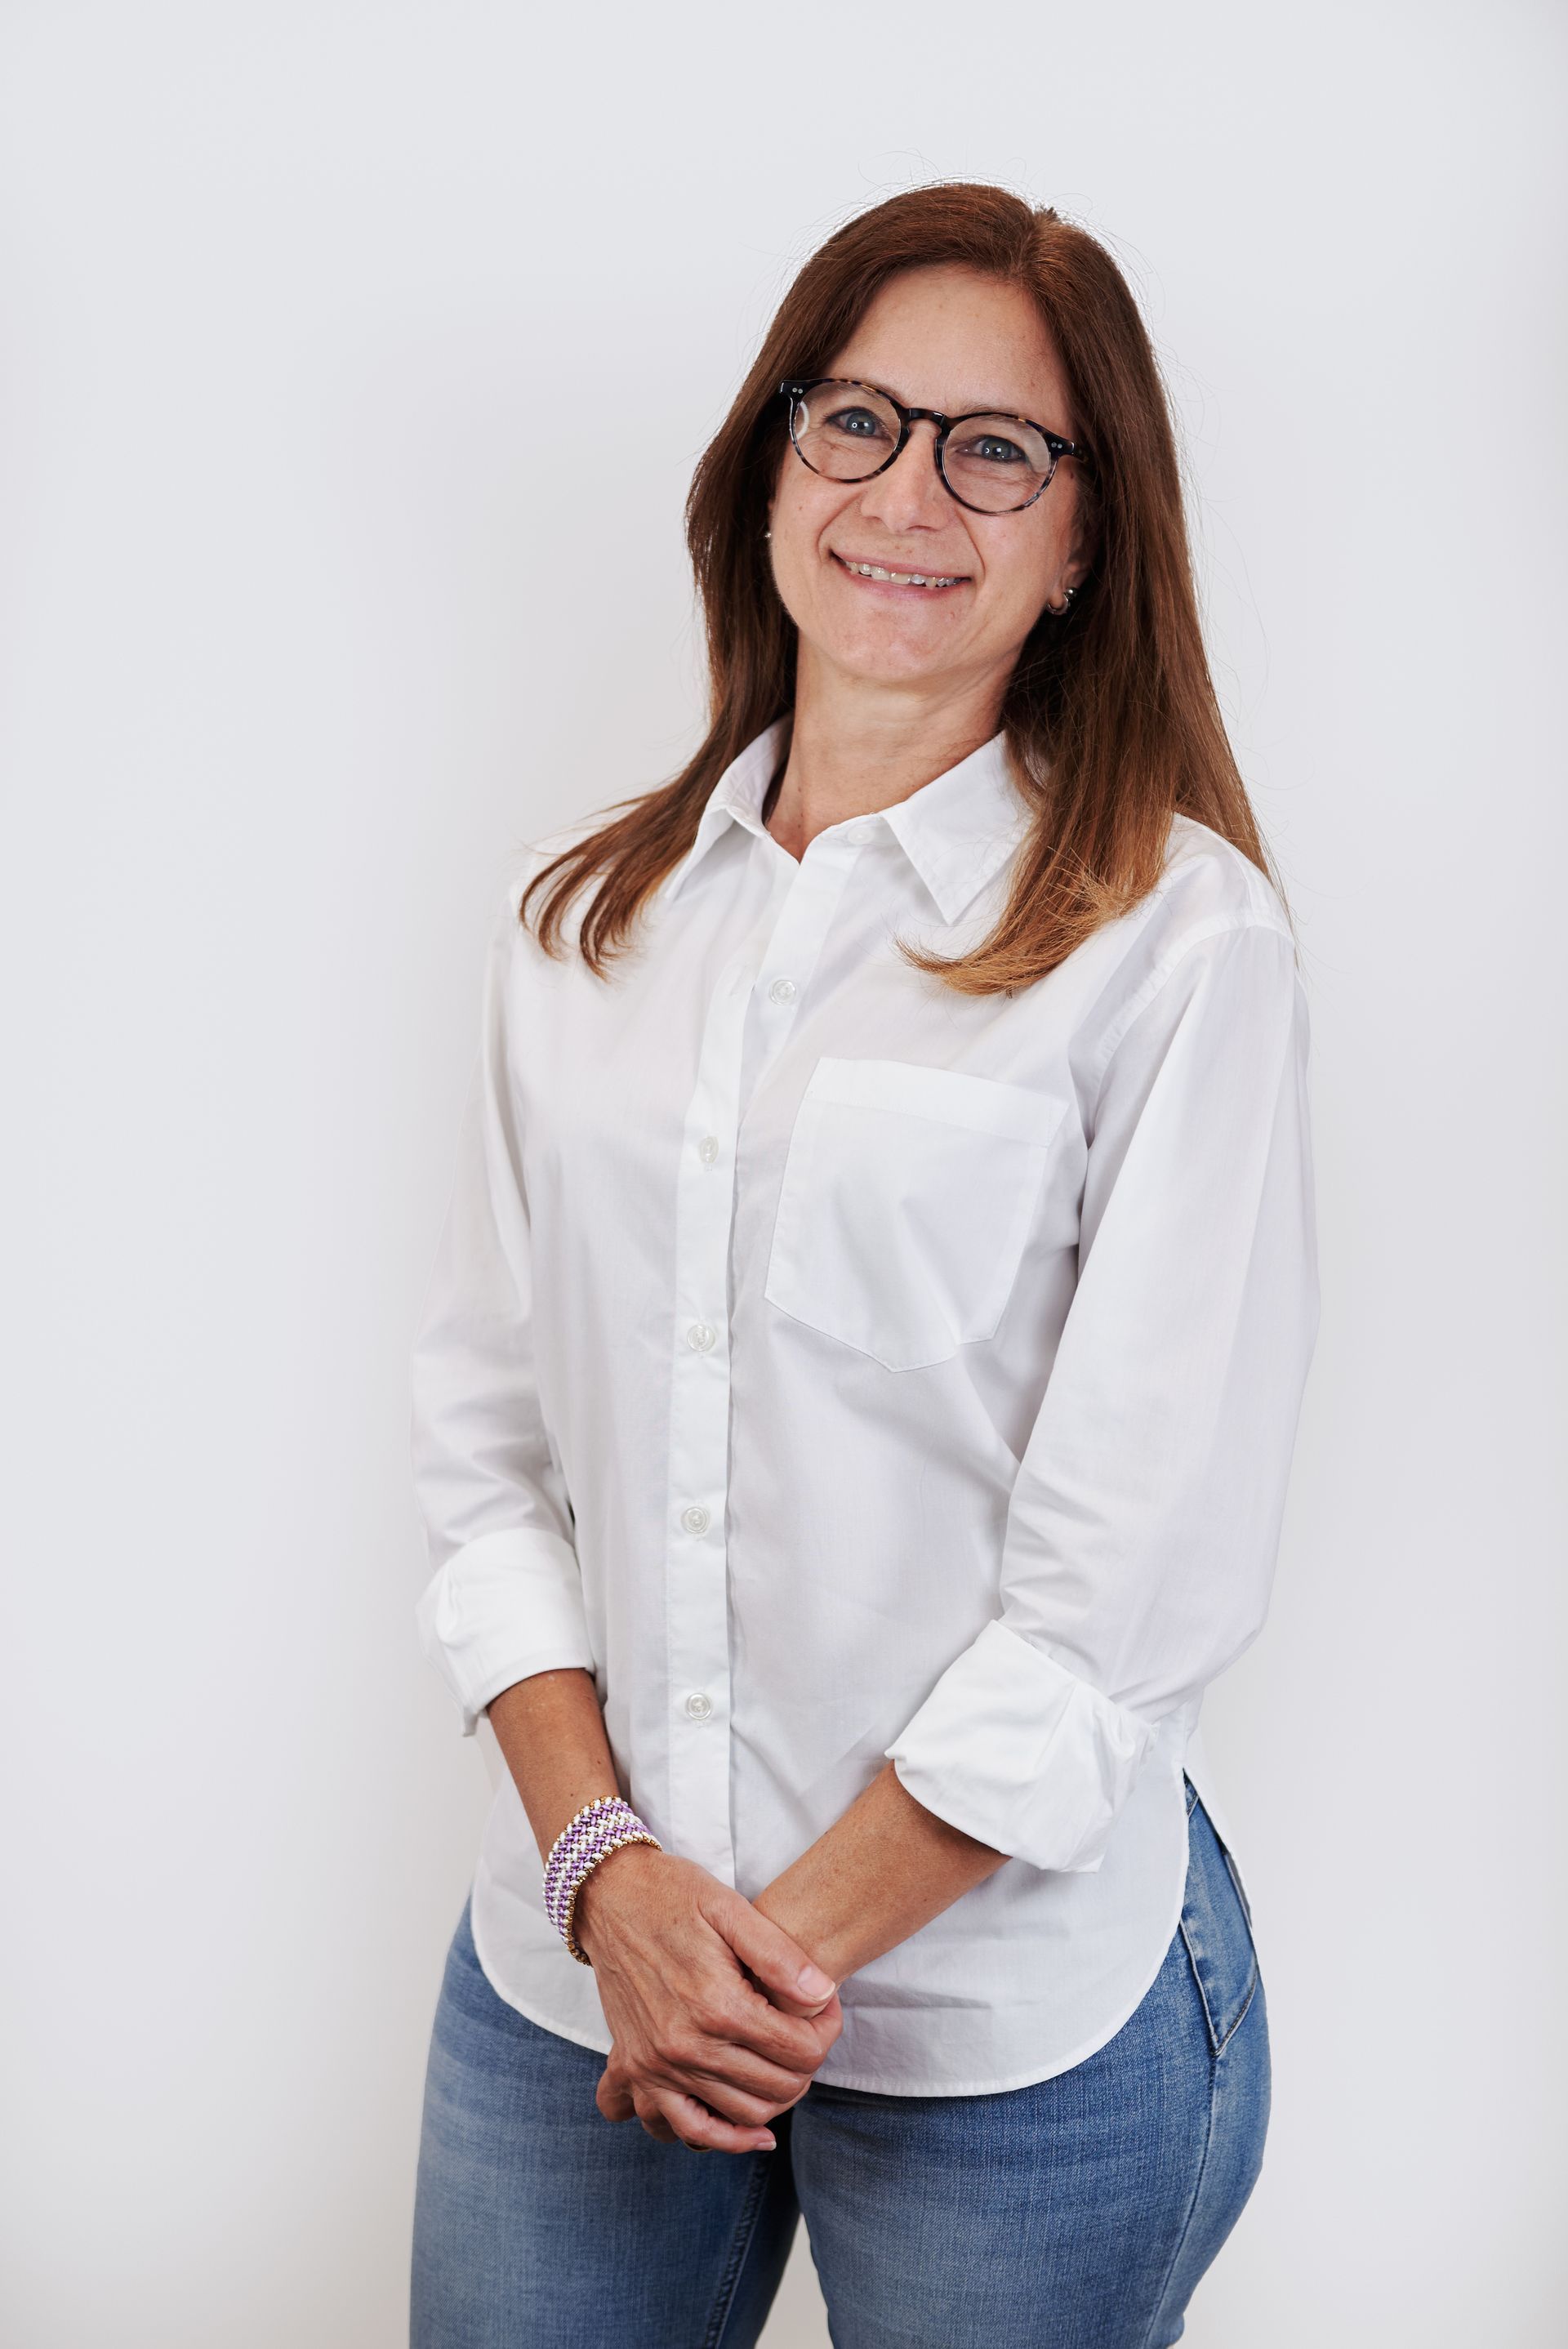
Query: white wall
[299,638]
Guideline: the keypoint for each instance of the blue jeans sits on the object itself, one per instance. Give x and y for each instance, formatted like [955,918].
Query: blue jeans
[1077,2213]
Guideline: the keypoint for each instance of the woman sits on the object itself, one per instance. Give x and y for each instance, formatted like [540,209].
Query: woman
[856,1393]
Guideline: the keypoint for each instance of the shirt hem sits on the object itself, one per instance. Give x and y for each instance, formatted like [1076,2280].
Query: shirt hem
[508,1998]
[876,2084]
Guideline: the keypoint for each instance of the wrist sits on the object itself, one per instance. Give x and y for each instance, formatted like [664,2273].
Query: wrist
[598,1829]
[599,1896]
[834,1951]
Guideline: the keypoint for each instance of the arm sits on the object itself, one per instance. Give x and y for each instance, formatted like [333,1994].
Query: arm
[699,2050]
[1144,1523]
[877,1876]
[505,1597]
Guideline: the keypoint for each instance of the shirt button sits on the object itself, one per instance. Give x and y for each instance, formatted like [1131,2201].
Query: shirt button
[701,1336]
[859,835]
[782,992]
[707,1149]
[698,1706]
[695,1519]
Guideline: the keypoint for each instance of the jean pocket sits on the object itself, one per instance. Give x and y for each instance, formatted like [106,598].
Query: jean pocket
[1216,1928]
[1235,1876]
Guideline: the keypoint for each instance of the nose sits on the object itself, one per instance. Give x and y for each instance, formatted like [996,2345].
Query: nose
[911,494]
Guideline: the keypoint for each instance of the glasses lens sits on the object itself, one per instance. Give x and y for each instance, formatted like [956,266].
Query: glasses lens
[844,430]
[996,462]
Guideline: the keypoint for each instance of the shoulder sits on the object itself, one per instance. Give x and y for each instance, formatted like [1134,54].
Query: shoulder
[509,933]
[1207,886]
[1211,915]
[530,857]
[1208,890]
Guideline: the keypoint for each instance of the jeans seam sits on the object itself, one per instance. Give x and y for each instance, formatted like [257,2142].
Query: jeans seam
[1246,2003]
[1180,2245]
[1210,2033]
[745,2227]
[1236,1879]
[1216,2044]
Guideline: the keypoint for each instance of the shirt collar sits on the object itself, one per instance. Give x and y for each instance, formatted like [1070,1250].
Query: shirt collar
[956,831]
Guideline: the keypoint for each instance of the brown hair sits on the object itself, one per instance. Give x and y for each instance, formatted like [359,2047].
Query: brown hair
[1110,715]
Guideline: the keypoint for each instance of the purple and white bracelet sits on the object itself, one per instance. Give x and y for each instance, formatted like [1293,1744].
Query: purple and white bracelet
[598,1829]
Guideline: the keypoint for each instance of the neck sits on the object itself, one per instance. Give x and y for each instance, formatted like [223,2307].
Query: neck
[856,747]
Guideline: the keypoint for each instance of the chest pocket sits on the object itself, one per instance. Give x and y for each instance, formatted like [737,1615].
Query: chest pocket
[907,1198]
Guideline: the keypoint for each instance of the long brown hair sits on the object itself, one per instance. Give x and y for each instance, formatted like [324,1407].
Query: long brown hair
[1109,716]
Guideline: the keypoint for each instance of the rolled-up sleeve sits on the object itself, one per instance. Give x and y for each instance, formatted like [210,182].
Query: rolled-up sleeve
[504,1599]
[1144,1522]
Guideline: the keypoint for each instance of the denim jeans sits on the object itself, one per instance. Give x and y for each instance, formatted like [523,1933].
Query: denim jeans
[1077,2213]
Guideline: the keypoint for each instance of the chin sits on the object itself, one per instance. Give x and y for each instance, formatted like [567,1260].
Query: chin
[888,659]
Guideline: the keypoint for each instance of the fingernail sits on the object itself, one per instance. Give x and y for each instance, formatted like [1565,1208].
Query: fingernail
[768,2143]
[814,1982]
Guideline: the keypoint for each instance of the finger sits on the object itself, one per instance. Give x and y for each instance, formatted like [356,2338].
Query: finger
[705,2131]
[782,1967]
[741,2070]
[746,2017]
[613,2097]
[653,2120]
[733,2103]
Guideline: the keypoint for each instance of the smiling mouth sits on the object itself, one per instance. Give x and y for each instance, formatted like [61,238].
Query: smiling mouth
[928,580]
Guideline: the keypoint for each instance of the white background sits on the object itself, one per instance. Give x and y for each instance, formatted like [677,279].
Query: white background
[310,617]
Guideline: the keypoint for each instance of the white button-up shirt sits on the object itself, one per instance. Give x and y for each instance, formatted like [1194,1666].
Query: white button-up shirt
[838,1368]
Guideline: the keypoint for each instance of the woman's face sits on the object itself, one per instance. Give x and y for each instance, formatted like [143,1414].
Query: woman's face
[951,339]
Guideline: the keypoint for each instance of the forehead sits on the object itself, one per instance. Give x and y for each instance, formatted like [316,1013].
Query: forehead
[953,339]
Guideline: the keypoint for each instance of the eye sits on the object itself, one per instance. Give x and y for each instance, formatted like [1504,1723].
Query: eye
[855,423]
[991,449]
[844,430]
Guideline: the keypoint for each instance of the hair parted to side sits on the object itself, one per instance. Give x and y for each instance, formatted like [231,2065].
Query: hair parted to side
[1111,714]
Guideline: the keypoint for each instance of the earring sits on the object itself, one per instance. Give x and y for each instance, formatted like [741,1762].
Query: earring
[768,534]
[1058,611]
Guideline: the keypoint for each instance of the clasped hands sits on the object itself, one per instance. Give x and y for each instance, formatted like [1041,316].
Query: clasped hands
[717,2019]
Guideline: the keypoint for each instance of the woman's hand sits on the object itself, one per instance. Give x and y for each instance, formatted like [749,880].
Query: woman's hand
[700,2052]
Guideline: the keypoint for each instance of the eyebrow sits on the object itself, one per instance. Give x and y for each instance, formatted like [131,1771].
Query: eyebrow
[976,407]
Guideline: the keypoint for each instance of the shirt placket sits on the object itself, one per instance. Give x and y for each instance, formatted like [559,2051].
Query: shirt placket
[766,980]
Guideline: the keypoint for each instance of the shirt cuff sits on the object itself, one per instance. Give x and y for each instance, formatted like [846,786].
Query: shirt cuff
[502,1608]
[1016,1751]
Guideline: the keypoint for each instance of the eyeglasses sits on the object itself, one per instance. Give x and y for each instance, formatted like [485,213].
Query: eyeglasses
[990,463]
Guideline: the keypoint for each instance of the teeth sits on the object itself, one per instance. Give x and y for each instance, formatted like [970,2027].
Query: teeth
[898,578]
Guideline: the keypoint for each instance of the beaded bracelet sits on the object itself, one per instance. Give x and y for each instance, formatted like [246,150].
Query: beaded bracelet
[598,1829]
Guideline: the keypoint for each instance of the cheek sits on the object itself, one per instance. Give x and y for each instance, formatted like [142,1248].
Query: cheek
[802,510]
[1018,581]
[804,504]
